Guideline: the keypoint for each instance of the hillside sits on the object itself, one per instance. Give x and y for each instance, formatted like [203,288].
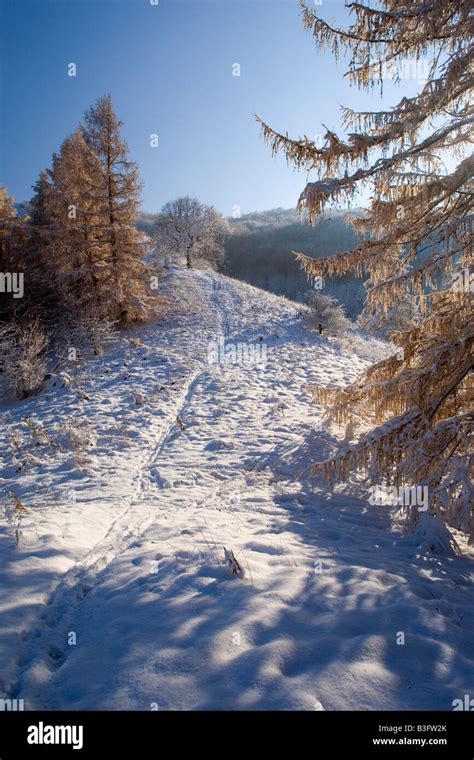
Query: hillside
[140,466]
[258,251]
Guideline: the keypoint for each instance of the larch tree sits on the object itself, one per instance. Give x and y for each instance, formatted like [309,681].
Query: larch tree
[39,254]
[22,340]
[115,193]
[7,220]
[188,228]
[417,404]
[74,226]
[53,251]
[7,215]
[12,239]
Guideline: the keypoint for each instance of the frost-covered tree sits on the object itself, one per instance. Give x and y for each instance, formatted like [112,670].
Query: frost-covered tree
[12,240]
[64,256]
[418,244]
[115,195]
[85,251]
[7,215]
[7,218]
[401,316]
[326,315]
[188,228]
[79,268]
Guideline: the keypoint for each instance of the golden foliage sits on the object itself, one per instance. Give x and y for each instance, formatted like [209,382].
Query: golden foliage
[417,244]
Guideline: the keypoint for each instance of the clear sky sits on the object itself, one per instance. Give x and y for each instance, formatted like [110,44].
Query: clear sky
[169,69]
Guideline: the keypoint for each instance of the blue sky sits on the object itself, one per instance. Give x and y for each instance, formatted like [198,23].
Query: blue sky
[169,70]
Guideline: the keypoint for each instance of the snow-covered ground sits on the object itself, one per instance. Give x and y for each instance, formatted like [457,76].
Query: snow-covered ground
[140,466]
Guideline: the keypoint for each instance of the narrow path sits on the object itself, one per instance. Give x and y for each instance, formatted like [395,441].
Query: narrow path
[47,639]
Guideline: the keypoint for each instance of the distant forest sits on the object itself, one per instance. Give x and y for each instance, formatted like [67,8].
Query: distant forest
[258,251]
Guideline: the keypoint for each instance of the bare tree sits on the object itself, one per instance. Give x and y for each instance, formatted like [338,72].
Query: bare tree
[327,315]
[190,229]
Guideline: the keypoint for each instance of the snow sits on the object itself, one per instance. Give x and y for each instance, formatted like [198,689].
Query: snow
[157,475]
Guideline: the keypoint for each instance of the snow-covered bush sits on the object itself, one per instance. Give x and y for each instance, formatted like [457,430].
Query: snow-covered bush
[136,342]
[326,314]
[366,347]
[39,434]
[87,337]
[432,534]
[139,397]
[22,358]
[14,513]
[76,435]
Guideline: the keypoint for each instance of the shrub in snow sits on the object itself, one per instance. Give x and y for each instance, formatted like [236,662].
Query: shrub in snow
[234,568]
[22,358]
[66,379]
[368,348]
[14,513]
[432,534]
[76,435]
[136,342]
[139,397]
[87,337]
[326,314]
[20,450]
[39,433]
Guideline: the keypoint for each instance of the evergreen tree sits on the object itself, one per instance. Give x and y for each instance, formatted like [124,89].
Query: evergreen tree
[84,251]
[7,217]
[12,239]
[44,251]
[418,244]
[115,195]
[80,253]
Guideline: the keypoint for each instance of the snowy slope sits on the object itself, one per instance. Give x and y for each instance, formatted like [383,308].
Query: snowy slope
[119,596]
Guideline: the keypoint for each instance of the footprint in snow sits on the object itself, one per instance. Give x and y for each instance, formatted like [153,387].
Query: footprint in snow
[218,445]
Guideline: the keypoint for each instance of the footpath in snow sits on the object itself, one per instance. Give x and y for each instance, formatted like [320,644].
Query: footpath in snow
[139,467]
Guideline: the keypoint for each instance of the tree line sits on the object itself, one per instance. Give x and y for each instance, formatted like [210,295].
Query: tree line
[78,246]
[78,253]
